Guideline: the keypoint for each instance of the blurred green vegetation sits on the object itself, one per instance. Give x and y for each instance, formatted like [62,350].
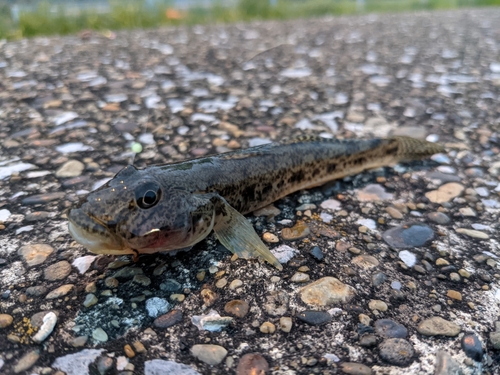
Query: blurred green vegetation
[47,19]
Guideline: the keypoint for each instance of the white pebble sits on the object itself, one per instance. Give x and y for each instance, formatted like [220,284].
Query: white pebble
[49,322]
[326,217]
[157,306]
[4,215]
[331,204]
[369,223]
[83,263]
[408,257]
[284,253]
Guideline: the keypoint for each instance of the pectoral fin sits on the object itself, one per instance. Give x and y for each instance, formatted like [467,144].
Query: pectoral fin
[236,233]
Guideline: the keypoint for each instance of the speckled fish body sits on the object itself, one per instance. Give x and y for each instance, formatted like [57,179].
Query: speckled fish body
[173,206]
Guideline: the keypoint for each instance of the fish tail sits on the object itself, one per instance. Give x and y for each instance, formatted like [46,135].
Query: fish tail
[411,148]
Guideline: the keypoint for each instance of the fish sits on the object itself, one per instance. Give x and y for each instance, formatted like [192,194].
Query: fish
[173,206]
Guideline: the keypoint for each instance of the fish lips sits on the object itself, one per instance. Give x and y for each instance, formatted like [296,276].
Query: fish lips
[93,234]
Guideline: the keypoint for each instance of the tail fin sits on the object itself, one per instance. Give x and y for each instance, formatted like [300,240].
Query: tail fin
[411,148]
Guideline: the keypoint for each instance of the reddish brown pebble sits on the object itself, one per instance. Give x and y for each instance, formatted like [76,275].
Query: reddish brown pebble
[252,364]
[169,319]
[237,307]
[129,352]
[300,230]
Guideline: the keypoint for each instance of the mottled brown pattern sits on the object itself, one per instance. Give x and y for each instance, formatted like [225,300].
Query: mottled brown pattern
[247,179]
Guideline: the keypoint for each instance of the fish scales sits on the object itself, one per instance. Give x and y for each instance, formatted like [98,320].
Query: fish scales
[253,178]
[173,206]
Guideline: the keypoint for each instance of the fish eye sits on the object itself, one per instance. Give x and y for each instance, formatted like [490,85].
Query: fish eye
[148,195]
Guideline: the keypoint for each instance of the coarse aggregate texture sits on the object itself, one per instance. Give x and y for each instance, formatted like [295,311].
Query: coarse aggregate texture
[74,111]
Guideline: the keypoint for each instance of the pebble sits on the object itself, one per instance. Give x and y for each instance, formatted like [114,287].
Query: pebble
[5,320]
[442,262]
[236,283]
[209,297]
[473,233]
[353,368]
[77,363]
[467,211]
[270,237]
[177,297]
[111,282]
[104,364]
[390,329]
[142,280]
[26,361]
[368,340]
[60,292]
[35,254]
[221,283]
[129,352]
[57,271]
[160,366]
[252,364]
[286,324]
[99,334]
[445,192]
[365,261]
[171,285]
[314,317]
[453,294]
[49,322]
[82,264]
[209,353]
[438,326]
[72,168]
[157,306]
[446,364]
[317,254]
[4,215]
[284,253]
[276,303]
[211,322]
[379,305]
[408,258]
[139,347]
[200,276]
[396,351]
[127,273]
[267,327]
[408,236]
[331,204]
[298,231]
[378,278]
[326,291]
[269,211]
[79,341]
[300,277]
[43,198]
[237,307]
[439,218]
[373,192]
[395,213]
[169,319]
[472,347]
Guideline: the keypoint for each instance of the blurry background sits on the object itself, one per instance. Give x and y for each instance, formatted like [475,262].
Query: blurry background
[27,18]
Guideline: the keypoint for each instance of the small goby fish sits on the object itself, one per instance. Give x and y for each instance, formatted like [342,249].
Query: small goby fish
[174,206]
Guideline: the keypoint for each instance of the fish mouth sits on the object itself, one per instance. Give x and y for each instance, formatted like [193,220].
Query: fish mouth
[94,234]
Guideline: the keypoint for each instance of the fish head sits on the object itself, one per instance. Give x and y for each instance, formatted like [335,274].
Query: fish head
[135,213]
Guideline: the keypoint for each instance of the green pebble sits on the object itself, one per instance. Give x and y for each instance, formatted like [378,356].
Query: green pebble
[136,147]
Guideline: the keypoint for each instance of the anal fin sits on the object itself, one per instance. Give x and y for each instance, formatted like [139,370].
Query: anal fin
[236,233]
